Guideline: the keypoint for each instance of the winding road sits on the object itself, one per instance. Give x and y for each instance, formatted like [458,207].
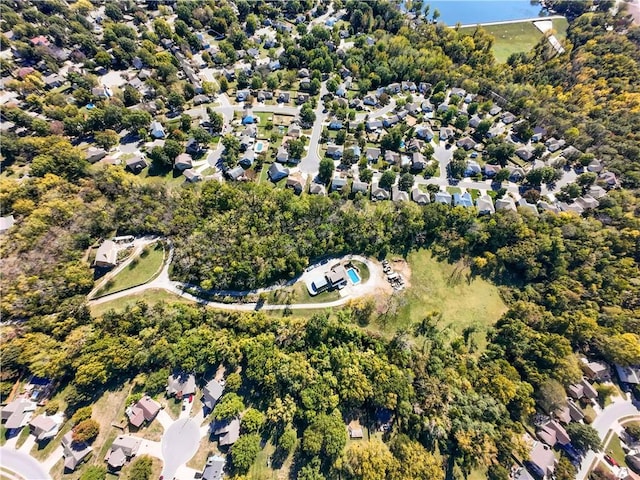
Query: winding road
[22,465]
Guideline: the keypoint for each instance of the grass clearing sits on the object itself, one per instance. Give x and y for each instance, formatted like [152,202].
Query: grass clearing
[298,294]
[140,271]
[438,286]
[150,297]
[517,37]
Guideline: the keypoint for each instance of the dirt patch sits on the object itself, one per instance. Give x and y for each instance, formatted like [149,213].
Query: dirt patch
[401,267]
[282,120]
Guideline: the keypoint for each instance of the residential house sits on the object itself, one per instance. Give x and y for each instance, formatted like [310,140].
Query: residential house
[317,189]
[575,413]
[419,196]
[183,161]
[595,166]
[539,133]
[391,157]
[201,99]
[508,118]
[410,86]
[473,168]
[372,154]
[193,147]
[495,110]
[107,255]
[443,107]
[295,183]
[474,121]
[355,433]
[264,95]
[587,202]
[284,97]
[628,374]
[277,172]
[370,100]
[425,132]
[458,92]
[443,197]
[40,41]
[214,469]
[192,175]
[418,162]
[467,143]
[541,461]
[359,187]
[342,102]
[462,200]
[302,98]
[356,103]
[44,427]
[242,95]
[516,174]
[294,131]
[424,87]
[235,173]
[596,370]
[253,52]
[446,133]
[337,277]
[379,193]
[527,207]
[123,448]
[524,153]
[553,433]
[247,158]
[506,203]
[570,207]
[553,144]
[390,121]
[246,142]
[227,432]
[144,410]
[282,155]
[274,65]
[414,145]
[412,108]
[338,184]
[53,81]
[394,88]
[426,106]
[547,207]
[609,178]
[6,223]
[157,130]
[94,154]
[101,92]
[181,385]
[334,151]
[373,125]
[211,393]
[303,73]
[398,195]
[17,413]
[469,97]
[484,204]
[74,453]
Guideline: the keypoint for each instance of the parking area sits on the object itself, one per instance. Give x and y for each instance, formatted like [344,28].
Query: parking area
[394,278]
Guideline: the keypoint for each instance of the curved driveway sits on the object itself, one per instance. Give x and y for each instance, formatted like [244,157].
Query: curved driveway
[163,282]
[179,443]
[22,464]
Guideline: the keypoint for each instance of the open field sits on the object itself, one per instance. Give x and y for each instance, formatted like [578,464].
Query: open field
[139,271]
[517,37]
[440,287]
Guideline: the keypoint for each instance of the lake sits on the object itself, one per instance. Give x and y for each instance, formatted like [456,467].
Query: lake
[483,11]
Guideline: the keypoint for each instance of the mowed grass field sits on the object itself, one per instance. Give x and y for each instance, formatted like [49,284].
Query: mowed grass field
[139,271]
[518,37]
[441,287]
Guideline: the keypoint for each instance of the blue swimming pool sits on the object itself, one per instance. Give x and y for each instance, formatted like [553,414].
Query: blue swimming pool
[259,147]
[353,276]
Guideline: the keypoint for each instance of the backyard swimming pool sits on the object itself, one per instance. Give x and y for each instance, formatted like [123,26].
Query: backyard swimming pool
[259,147]
[353,276]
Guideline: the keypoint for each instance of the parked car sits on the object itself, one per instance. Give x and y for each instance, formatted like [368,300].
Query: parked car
[611,461]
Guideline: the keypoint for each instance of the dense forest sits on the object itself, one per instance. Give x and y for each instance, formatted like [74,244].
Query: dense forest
[571,282]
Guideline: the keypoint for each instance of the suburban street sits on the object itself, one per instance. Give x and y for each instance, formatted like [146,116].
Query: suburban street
[23,465]
[309,165]
[605,422]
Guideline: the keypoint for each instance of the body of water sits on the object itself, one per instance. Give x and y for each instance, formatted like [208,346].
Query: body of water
[483,11]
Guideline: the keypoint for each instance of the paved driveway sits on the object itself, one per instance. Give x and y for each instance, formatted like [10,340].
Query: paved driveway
[179,443]
[22,464]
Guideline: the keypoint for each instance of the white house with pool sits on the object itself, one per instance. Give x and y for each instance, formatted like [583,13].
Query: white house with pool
[336,278]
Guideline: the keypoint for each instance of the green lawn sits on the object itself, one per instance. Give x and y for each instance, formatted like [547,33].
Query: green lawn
[298,294]
[139,271]
[517,37]
[448,289]
[614,449]
[151,297]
